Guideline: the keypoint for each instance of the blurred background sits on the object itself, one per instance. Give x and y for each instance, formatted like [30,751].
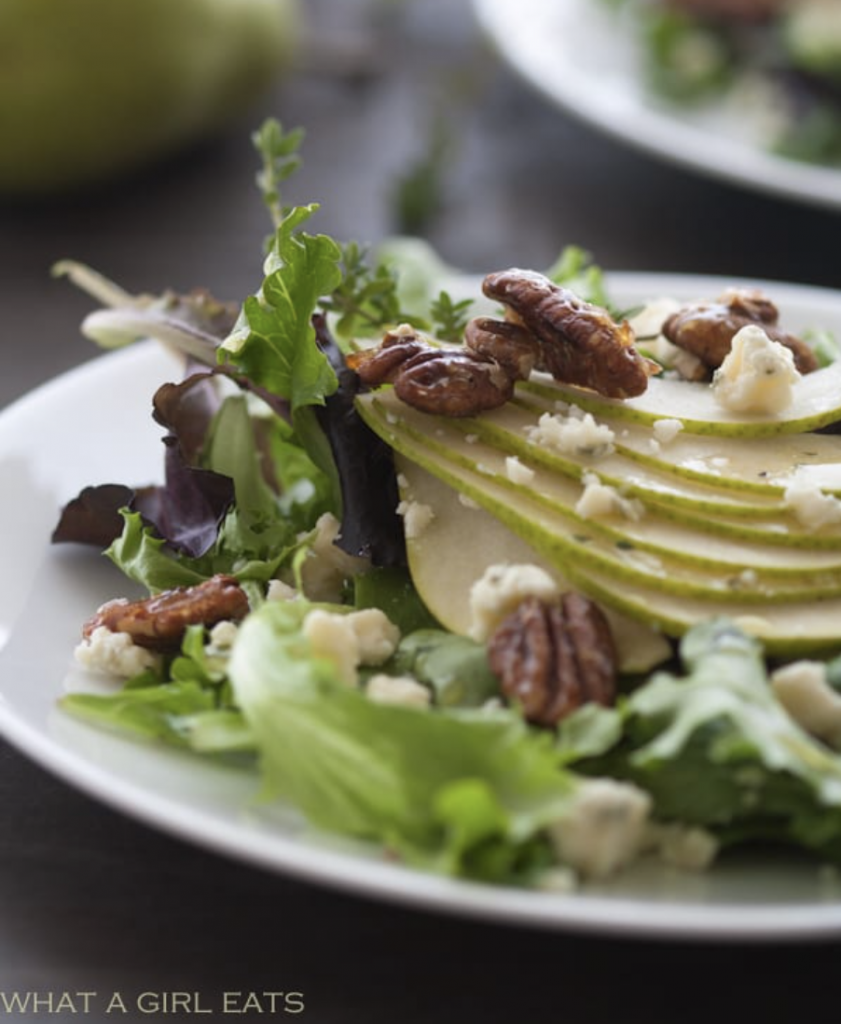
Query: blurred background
[413,125]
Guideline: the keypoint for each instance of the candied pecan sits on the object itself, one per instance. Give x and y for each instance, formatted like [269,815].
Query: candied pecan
[504,341]
[433,379]
[579,342]
[453,384]
[382,364]
[159,622]
[707,329]
[552,658]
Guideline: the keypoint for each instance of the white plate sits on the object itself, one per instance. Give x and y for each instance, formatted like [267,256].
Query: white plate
[93,426]
[571,52]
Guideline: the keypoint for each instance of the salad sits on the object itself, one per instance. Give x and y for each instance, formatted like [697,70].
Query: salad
[519,597]
[777,63]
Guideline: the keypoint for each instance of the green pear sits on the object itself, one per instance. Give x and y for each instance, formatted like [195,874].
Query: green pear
[752,464]
[647,479]
[461,541]
[666,578]
[759,534]
[816,403]
[93,88]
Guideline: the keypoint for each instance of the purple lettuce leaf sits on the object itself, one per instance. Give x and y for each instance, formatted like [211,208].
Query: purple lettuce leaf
[370,525]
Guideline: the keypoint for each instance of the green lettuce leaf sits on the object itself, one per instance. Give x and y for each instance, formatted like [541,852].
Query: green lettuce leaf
[144,557]
[714,747]
[189,704]
[274,340]
[465,792]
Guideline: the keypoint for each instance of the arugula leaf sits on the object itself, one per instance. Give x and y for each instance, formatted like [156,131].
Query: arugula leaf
[192,324]
[454,667]
[391,588]
[190,706]
[143,557]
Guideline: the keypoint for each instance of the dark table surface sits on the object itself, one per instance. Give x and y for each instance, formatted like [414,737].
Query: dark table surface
[91,900]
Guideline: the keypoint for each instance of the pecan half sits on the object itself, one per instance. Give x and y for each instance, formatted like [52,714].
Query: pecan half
[159,622]
[433,379]
[383,364]
[453,384]
[552,658]
[509,344]
[707,329]
[546,328]
[579,343]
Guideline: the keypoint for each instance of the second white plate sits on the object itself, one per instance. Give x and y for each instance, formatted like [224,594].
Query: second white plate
[571,52]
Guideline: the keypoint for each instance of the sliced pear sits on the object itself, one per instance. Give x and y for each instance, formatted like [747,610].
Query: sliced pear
[719,533]
[786,630]
[816,403]
[765,465]
[507,429]
[757,518]
[575,545]
[744,540]
[462,540]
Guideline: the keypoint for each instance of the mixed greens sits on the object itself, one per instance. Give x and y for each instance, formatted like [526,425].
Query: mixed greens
[273,478]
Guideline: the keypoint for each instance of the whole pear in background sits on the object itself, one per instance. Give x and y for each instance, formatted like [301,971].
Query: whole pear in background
[93,88]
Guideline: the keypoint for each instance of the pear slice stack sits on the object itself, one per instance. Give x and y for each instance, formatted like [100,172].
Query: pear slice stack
[701,525]
[817,403]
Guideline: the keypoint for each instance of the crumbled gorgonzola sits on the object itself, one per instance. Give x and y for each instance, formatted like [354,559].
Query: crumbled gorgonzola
[516,472]
[115,654]
[278,590]
[416,517]
[599,500]
[811,506]
[690,848]
[500,590]
[402,690]
[802,688]
[364,637]
[666,429]
[375,633]
[757,374]
[324,572]
[332,637]
[223,634]
[604,829]
[573,433]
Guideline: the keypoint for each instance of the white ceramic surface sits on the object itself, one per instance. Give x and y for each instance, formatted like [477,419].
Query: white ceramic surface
[93,426]
[572,53]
